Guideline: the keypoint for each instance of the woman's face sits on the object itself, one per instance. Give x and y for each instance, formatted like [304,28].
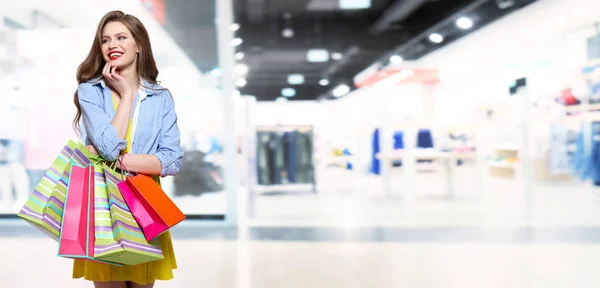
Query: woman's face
[118,46]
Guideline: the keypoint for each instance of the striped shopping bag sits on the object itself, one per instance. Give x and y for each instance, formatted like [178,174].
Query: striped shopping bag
[54,208]
[118,236]
[42,210]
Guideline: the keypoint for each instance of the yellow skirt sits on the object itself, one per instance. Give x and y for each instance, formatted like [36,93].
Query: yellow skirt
[141,274]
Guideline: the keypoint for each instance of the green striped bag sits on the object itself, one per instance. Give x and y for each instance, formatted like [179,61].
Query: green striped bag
[41,209]
[54,208]
[118,236]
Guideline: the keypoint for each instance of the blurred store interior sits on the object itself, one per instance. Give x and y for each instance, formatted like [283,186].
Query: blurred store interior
[340,114]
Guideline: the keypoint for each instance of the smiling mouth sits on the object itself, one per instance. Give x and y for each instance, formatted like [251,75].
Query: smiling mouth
[114,55]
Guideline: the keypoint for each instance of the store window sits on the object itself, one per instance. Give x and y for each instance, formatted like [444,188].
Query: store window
[41,47]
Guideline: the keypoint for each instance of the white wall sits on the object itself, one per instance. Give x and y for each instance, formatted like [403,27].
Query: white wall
[546,39]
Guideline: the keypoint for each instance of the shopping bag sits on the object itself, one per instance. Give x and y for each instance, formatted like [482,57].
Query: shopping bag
[153,210]
[131,246]
[55,206]
[77,232]
[40,210]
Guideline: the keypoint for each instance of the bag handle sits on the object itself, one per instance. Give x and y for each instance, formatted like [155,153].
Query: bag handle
[123,168]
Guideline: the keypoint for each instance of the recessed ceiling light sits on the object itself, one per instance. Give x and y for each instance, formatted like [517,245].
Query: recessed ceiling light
[324,82]
[464,23]
[287,33]
[236,42]
[337,56]
[341,90]
[239,55]
[296,79]
[235,27]
[288,92]
[436,38]
[317,55]
[241,69]
[241,82]
[355,4]
[396,59]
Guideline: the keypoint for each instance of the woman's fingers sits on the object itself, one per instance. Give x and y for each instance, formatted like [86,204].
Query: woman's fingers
[107,74]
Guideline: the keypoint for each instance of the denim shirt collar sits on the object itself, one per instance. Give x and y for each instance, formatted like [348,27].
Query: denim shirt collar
[150,88]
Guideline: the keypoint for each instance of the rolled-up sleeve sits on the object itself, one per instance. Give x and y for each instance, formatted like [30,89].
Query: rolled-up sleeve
[169,149]
[98,125]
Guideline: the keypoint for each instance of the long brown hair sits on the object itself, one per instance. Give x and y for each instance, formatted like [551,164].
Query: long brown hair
[93,64]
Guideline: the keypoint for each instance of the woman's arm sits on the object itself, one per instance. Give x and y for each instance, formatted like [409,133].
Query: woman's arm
[98,124]
[169,151]
[141,163]
[123,115]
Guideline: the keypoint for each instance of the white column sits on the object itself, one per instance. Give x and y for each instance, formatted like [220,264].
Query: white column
[226,61]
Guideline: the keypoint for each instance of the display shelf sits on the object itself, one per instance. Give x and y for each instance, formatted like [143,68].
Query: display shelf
[502,164]
[581,108]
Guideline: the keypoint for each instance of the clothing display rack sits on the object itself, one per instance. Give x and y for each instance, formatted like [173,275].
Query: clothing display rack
[284,158]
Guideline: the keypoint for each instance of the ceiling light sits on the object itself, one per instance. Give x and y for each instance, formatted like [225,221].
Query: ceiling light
[281,99]
[287,33]
[216,72]
[235,27]
[396,59]
[337,56]
[464,23]
[241,69]
[355,4]
[436,38]
[239,55]
[324,82]
[503,4]
[241,82]
[296,79]
[341,90]
[317,55]
[236,42]
[288,92]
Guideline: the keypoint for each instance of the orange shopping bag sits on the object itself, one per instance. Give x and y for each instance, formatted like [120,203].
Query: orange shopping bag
[149,205]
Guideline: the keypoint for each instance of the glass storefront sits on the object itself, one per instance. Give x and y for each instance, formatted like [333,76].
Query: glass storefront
[41,46]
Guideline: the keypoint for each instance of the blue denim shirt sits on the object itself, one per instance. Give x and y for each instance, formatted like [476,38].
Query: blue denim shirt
[156,132]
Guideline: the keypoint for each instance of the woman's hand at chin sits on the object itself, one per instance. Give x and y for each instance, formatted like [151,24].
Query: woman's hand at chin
[117,82]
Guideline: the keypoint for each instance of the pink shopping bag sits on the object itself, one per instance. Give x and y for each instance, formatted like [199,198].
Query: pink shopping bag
[77,234]
[146,217]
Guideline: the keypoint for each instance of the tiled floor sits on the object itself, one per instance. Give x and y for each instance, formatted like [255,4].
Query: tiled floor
[222,264]
[361,202]
[355,236]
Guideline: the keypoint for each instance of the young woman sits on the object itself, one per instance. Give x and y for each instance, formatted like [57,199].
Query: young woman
[128,116]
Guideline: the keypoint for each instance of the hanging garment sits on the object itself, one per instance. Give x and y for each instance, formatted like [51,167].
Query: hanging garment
[375,148]
[305,172]
[262,159]
[559,150]
[291,156]
[279,159]
[586,159]
[424,139]
[398,144]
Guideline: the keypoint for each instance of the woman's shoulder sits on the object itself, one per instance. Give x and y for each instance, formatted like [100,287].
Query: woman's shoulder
[90,89]
[92,82]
